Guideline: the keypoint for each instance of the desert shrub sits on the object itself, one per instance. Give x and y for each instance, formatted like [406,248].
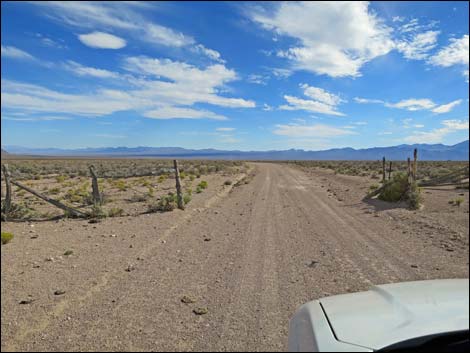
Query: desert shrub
[198,189]
[97,212]
[20,211]
[395,189]
[414,197]
[192,177]
[162,178]
[228,182]
[115,212]
[203,184]
[186,198]
[121,185]
[165,204]
[182,175]
[54,191]
[60,178]
[68,252]
[458,201]
[373,187]
[6,237]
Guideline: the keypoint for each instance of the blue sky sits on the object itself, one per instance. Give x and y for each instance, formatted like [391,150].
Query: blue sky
[234,75]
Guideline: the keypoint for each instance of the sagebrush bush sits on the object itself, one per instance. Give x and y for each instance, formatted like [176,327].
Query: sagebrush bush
[395,189]
[115,212]
[165,204]
[186,198]
[398,189]
[6,237]
[203,184]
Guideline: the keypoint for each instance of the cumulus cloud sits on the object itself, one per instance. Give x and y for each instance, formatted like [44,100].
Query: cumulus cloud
[102,40]
[321,101]
[357,37]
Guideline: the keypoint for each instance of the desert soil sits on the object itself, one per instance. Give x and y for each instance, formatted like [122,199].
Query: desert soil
[250,255]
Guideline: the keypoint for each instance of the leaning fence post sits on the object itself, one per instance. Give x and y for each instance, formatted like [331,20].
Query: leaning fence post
[56,203]
[6,175]
[415,163]
[179,195]
[383,170]
[97,200]
[390,171]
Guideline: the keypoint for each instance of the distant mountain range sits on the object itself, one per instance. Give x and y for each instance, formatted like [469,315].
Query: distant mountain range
[458,152]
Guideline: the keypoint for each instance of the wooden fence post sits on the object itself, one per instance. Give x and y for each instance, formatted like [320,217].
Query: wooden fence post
[179,195]
[409,171]
[390,171]
[415,164]
[383,170]
[6,175]
[97,199]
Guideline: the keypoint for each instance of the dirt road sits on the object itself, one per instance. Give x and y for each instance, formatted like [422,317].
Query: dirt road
[251,258]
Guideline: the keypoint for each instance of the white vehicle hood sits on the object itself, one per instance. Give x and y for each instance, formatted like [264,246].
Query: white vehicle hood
[392,313]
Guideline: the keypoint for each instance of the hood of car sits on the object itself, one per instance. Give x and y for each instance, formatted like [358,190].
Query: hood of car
[392,313]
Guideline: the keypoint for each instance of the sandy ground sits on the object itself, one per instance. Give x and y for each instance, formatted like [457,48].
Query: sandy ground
[250,255]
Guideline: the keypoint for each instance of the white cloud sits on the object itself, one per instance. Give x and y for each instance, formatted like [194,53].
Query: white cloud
[81,70]
[316,130]
[15,53]
[321,101]
[210,53]
[182,113]
[445,108]
[437,135]
[358,35]
[168,91]
[367,101]
[120,16]
[383,133]
[258,79]
[102,40]
[413,104]
[190,84]
[321,95]
[165,36]
[456,53]
[418,46]
[225,129]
